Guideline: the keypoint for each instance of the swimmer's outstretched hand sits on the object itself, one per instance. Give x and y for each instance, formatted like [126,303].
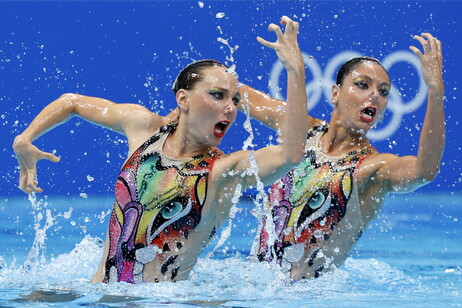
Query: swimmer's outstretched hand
[28,155]
[431,60]
[286,45]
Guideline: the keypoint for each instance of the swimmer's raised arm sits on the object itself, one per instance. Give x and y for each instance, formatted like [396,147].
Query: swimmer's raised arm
[274,161]
[410,172]
[262,107]
[128,119]
[265,109]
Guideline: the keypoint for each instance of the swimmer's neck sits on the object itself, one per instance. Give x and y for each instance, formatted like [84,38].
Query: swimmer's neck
[339,140]
[179,145]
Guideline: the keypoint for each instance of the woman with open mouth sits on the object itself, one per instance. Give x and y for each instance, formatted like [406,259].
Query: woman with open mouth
[320,208]
[176,188]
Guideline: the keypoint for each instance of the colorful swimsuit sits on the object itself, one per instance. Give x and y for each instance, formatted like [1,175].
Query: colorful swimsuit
[309,203]
[158,201]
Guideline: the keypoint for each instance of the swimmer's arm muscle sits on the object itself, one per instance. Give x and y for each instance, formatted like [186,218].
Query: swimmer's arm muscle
[262,107]
[410,172]
[275,161]
[123,118]
[267,110]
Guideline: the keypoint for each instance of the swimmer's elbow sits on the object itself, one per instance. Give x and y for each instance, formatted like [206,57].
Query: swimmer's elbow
[428,175]
[69,97]
[419,182]
[72,104]
[68,101]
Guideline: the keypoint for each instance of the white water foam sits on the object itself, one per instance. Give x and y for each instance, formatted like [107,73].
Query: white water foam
[226,279]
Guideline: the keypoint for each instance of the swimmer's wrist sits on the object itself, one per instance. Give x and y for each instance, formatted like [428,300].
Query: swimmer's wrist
[298,69]
[21,140]
[437,90]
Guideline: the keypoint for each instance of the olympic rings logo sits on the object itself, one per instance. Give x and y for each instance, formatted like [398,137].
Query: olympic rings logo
[321,85]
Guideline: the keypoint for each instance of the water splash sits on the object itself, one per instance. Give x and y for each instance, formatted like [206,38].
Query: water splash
[36,257]
[226,233]
[231,280]
[232,50]
[260,211]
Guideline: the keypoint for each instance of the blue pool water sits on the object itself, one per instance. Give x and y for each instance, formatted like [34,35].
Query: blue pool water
[411,256]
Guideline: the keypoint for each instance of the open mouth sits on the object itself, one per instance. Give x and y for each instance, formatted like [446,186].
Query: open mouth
[368,114]
[220,129]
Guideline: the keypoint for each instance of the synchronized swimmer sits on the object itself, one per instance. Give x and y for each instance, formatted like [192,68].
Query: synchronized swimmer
[176,187]
[320,208]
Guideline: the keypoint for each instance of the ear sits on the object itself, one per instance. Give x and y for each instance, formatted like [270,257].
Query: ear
[182,100]
[335,94]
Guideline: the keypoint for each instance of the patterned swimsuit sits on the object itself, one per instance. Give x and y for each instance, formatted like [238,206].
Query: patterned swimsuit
[158,201]
[309,203]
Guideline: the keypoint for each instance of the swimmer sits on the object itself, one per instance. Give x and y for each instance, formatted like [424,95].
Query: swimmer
[176,188]
[321,208]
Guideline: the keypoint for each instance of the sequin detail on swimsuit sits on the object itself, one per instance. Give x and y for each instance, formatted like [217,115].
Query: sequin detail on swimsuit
[157,203]
[307,203]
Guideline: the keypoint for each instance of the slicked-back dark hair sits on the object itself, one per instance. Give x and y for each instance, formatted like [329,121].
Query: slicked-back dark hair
[351,64]
[191,74]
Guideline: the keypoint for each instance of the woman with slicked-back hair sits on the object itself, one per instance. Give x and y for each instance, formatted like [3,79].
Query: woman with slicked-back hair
[176,188]
[319,209]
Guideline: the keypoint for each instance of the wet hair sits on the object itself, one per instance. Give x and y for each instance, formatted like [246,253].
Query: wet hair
[351,64]
[191,74]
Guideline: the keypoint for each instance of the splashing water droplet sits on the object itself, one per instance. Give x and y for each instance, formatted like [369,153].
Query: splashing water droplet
[83,195]
[220,15]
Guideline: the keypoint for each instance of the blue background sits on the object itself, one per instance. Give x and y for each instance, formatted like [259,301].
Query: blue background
[131,51]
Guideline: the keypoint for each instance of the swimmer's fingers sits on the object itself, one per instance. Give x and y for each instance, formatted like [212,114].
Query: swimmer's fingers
[277,30]
[28,155]
[439,47]
[431,41]
[265,42]
[31,179]
[431,60]
[416,50]
[23,181]
[279,35]
[27,181]
[48,156]
[288,23]
[425,44]
[32,182]
[436,48]
[291,26]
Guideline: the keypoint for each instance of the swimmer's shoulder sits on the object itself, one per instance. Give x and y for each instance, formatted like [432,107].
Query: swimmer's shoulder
[141,123]
[372,185]
[315,122]
[368,169]
[229,169]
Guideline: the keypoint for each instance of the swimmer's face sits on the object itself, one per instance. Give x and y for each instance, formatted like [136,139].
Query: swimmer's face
[362,98]
[212,105]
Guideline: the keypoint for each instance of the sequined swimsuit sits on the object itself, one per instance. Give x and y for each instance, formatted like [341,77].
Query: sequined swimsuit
[158,202]
[309,203]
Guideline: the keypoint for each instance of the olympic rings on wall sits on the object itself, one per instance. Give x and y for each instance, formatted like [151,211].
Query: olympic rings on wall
[320,86]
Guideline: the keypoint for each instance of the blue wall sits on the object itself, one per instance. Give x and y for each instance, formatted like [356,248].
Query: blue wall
[131,51]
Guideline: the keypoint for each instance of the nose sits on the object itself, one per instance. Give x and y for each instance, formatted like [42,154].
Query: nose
[230,107]
[374,94]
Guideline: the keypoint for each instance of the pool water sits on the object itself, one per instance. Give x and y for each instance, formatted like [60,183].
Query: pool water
[410,256]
